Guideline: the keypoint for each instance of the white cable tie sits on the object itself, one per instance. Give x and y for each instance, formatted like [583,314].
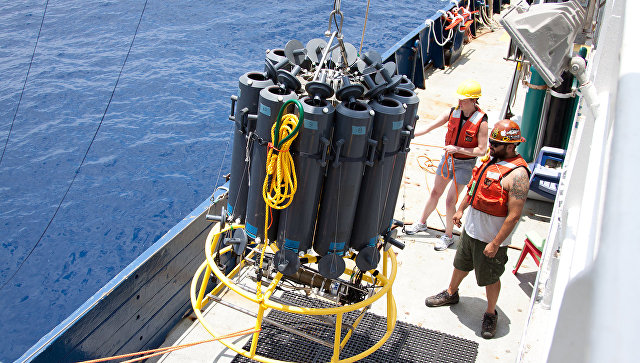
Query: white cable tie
[561,95]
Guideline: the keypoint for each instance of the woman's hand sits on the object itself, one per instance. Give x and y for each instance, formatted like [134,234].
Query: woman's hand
[452,149]
[420,131]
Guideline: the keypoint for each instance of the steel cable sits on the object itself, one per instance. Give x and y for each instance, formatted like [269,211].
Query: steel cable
[25,83]
[85,154]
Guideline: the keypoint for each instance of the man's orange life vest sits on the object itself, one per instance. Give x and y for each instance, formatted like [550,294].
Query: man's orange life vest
[485,188]
[465,135]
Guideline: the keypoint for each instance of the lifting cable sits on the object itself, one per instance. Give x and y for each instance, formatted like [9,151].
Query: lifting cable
[85,154]
[25,83]
[212,199]
[160,351]
[366,16]
[280,182]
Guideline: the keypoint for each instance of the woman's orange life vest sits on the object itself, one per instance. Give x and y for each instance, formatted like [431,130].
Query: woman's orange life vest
[485,188]
[465,135]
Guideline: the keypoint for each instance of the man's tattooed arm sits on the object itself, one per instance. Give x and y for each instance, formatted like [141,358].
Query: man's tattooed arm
[519,187]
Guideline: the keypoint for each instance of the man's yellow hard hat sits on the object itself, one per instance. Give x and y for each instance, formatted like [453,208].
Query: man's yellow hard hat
[469,89]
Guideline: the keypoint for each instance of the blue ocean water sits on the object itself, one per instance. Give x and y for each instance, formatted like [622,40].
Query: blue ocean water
[161,147]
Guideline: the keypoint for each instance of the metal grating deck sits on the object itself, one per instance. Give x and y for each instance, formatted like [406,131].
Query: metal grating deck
[408,343]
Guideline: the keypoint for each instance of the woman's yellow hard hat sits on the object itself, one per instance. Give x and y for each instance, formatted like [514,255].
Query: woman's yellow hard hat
[469,89]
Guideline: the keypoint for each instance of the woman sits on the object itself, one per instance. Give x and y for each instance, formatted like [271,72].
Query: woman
[466,139]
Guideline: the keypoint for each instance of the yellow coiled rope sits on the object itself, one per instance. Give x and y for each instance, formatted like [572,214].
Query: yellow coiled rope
[280,183]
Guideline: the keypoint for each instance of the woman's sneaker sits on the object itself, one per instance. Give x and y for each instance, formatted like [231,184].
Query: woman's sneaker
[443,243]
[415,228]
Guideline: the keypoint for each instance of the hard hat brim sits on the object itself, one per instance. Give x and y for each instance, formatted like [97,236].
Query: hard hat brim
[522,139]
[463,97]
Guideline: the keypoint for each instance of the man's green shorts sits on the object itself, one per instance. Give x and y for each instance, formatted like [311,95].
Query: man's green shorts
[470,256]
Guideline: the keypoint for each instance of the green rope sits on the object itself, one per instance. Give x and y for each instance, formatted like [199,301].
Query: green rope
[276,135]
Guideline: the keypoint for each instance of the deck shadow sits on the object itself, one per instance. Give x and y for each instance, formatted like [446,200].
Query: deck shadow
[538,210]
[465,57]
[526,281]
[470,311]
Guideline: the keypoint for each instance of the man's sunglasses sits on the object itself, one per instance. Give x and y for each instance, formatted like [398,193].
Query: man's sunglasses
[496,143]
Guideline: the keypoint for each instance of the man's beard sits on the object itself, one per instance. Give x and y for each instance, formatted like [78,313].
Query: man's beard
[499,154]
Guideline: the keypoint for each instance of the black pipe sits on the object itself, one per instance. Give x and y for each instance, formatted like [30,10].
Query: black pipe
[559,114]
[387,125]
[244,115]
[351,144]
[271,100]
[309,149]
[409,99]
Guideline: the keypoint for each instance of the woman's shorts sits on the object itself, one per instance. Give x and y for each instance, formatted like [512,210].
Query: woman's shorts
[463,169]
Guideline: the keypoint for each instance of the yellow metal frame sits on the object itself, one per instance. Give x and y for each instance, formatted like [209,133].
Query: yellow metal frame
[199,300]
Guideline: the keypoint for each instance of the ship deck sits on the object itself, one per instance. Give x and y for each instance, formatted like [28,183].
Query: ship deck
[421,270]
